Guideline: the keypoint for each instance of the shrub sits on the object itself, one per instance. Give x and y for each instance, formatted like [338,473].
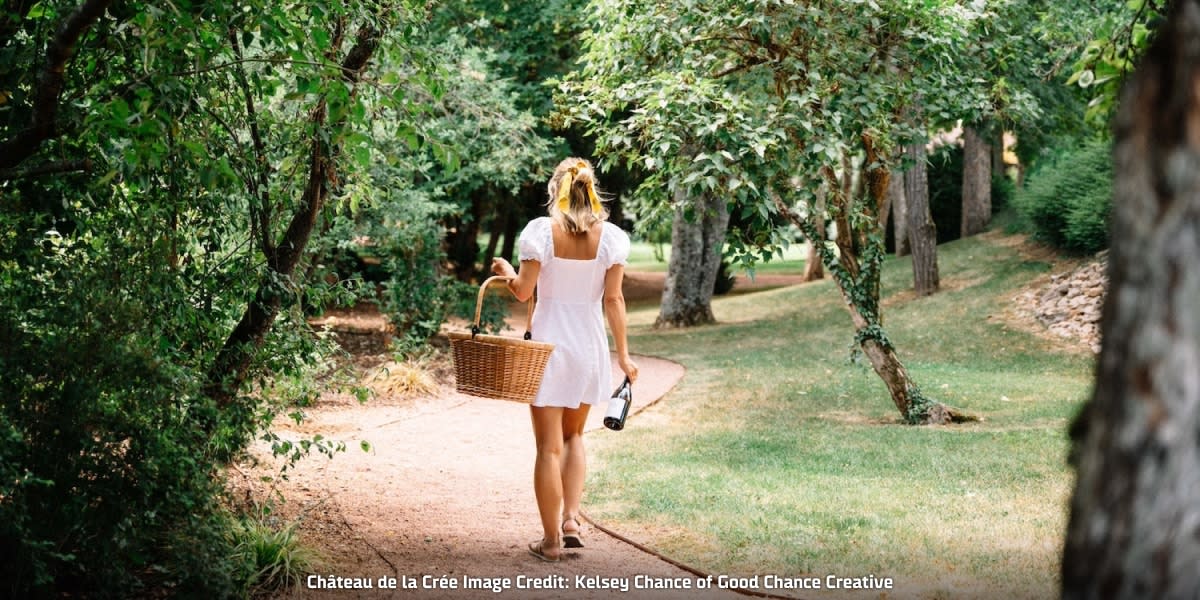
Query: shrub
[1067,200]
[270,555]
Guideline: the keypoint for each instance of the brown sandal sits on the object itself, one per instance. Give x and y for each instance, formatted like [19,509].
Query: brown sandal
[537,549]
[571,539]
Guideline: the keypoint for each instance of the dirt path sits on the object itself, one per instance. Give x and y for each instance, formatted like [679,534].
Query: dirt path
[445,495]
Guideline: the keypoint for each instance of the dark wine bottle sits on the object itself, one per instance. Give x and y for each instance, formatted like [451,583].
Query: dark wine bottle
[618,406]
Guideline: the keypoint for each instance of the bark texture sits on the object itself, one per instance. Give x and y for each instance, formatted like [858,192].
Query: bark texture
[976,183]
[814,269]
[695,258]
[1134,530]
[899,206]
[922,233]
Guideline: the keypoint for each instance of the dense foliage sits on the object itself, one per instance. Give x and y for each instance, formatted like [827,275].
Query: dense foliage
[156,251]
[181,186]
[1068,199]
[770,104]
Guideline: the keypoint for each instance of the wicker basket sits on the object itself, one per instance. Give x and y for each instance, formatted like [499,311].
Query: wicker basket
[492,366]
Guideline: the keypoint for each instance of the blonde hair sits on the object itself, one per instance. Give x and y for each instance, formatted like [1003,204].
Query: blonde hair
[581,208]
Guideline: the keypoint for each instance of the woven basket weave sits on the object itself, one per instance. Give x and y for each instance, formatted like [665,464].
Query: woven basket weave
[492,366]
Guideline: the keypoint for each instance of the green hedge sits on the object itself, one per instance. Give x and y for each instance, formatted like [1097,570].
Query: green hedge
[1067,200]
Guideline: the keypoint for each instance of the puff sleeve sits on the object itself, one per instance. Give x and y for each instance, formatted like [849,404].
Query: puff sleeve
[617,242]
[534,242]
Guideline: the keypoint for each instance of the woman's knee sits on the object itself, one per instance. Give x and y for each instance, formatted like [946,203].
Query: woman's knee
[550,450]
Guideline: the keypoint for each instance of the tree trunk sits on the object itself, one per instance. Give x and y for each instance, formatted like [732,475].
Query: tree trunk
[499,226]
[885,209]
[922,233]
[899,204]
[814,269]
[232,364]
[511,231]
[695,257]
[856,268]
[1134,530]
[884,361]
[976,183]
[463,242]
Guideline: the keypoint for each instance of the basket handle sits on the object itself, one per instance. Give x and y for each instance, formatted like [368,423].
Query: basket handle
[479,305]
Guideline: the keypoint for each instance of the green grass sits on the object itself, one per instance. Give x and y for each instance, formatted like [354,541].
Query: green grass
[644,256]
[272,556]
[776,455]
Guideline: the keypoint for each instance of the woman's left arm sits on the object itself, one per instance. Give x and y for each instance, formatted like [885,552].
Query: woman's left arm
[525,281]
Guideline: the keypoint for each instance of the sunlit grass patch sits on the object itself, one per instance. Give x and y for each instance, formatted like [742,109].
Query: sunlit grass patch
[776,454]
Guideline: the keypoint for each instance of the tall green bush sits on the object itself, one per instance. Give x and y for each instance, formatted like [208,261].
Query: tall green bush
[148,302]
[1066,201]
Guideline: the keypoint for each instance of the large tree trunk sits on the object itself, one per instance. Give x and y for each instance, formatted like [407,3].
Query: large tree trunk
[1134,530]
[976,183]
[695,257]
[922,233]
[899,206]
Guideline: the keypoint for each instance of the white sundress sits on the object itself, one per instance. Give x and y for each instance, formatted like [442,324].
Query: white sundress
[569,314]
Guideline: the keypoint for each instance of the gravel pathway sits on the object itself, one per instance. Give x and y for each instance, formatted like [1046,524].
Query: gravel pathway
[444,501]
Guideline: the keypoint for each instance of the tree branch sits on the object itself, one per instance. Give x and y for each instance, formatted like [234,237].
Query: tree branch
[42,124]
[66,166]
[260,190]
[232,364]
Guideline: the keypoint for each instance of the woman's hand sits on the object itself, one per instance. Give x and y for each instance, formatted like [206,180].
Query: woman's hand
[503,268]
[629,367]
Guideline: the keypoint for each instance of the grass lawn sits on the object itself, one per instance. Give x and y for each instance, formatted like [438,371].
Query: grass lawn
[644,256]
[777,456]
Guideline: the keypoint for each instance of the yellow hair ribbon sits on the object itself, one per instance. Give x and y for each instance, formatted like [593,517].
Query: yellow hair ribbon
[595,201]
[564,190]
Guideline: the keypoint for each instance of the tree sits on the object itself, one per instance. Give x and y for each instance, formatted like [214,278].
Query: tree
[779,99]
[527,43]
[899,209]
[977,182]
[696,248]
[1133,529]
[149,299]
[922,233]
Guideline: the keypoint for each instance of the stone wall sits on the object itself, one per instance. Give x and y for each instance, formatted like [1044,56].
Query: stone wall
[1069,306]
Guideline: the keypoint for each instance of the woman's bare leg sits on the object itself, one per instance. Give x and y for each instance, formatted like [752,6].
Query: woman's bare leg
[574,461]
[547,473]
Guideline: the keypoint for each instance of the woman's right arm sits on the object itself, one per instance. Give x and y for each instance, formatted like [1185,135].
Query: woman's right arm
[614,309]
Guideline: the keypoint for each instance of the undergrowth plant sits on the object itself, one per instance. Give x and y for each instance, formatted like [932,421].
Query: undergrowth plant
[270,553]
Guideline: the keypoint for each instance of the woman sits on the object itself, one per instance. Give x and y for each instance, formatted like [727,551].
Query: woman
[576,260]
